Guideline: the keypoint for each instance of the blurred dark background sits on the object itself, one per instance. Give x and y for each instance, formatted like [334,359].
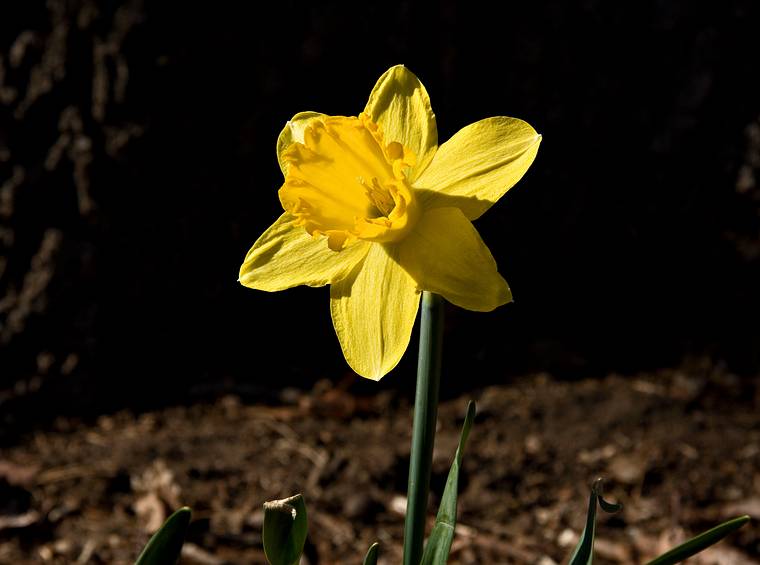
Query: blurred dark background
[137,166]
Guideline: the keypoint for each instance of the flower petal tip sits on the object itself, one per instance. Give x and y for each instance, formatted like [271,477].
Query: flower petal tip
[375,377]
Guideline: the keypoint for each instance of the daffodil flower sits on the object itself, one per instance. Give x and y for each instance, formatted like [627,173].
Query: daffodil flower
[377,210]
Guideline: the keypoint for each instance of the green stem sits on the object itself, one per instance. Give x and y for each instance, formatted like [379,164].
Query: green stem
[423,428]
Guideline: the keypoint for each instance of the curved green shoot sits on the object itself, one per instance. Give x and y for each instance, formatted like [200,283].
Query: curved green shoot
[439,542]
[165,547]
[700,542]
[371,557]
[583,554]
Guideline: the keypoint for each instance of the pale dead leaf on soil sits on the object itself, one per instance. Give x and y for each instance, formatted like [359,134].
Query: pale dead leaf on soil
[612,550]
[629,468]
[16,474]
[723,555]
[195,554]
[17,521]
[89,548]
[593,456]
[151,512]
[749,506]
[157,493]
[567,538]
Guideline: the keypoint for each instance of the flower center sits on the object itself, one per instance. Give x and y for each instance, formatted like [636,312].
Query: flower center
[344,182]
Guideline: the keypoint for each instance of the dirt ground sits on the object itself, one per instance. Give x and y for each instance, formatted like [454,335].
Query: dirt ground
[680,448]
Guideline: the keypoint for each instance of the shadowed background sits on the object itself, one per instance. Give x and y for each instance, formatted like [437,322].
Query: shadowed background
[137,166]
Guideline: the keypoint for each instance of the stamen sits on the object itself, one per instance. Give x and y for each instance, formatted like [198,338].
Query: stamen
[380,197]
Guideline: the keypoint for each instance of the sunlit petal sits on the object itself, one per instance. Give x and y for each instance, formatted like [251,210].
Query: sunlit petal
[293,132]
[373,311]
[473,169]
[400,104]
[286,256]
[444,254]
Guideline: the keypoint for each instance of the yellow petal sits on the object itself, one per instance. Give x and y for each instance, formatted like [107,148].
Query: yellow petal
[444,254]
[373,311]
[293,132]
[286,256]
[401,106]
[473,169]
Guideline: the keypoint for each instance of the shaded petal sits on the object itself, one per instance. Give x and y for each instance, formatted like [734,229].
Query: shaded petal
[401,106]
[286,256]
[473,169]
[444,254]
[293,132]
[373,311]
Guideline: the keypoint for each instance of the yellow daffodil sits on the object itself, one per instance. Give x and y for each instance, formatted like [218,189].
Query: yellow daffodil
[377,210]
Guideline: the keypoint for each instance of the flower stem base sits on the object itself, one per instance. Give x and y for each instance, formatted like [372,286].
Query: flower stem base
[423,427]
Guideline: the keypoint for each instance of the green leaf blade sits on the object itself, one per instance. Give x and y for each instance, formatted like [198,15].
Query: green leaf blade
[165,547]
[371,557]
[583,554]
[439,543]
[700,542]
[285,529]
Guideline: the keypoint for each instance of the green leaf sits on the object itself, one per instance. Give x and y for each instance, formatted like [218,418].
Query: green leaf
[583,554]
[439,543]
[165,546]
[285,528]
[700,542]
[371,557]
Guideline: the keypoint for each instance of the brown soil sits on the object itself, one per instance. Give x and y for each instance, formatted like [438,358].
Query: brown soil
[680,448]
